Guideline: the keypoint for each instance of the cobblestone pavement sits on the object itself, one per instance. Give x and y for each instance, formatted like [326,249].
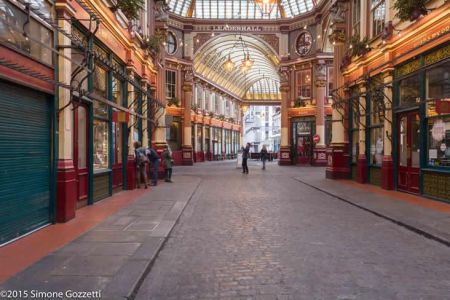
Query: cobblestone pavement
[268,236]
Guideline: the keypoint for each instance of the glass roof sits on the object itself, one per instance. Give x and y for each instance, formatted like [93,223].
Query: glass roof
[239,9]
[261,81]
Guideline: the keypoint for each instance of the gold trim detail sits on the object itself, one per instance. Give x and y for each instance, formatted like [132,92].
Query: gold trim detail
[438,55]
[409,68]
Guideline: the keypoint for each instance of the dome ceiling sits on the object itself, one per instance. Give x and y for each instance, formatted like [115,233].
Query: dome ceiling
[260,82]
[238,9]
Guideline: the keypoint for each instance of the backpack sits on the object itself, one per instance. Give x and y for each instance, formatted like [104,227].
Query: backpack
[152,154]
[140,156]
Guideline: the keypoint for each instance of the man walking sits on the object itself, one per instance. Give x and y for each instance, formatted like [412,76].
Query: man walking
[245,154]
[141,161]
[154,159]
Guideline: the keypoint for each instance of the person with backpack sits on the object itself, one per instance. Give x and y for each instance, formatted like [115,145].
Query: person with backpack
[264,155]
[141,161]
[168,163]
[154,159]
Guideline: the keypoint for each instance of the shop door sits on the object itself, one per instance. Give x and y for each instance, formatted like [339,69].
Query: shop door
[304,149]
[80,153]
[409,152]
[25,145]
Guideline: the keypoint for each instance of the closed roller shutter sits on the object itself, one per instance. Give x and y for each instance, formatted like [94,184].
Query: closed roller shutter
[24,161]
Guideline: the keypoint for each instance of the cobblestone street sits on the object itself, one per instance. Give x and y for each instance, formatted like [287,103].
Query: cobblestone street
[268,236]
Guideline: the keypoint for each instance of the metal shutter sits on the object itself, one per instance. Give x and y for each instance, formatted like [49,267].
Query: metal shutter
[24,161]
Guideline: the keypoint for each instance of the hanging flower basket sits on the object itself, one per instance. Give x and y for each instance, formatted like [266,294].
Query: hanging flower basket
[130,8]
[359,47]
[410,10]
[153,43]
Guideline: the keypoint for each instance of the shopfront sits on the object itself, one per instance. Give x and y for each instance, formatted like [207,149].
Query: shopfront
[422,124]
[303,130]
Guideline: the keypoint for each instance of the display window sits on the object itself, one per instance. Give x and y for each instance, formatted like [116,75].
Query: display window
[409,93]
[304,83]
[438,113]
[100,144]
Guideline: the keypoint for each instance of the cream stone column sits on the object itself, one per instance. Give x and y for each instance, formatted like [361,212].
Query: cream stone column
[145,141]
[320,78]
[338,165]
[321,92]
[66,182]
[187,125]
[285,150]
[133,118]
[361,164]
[387,166]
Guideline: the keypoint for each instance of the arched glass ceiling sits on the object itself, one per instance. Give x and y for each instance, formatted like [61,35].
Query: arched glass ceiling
[262,76]
[238,9]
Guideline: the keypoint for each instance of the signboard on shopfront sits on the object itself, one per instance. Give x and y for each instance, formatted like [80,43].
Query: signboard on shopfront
[443,106]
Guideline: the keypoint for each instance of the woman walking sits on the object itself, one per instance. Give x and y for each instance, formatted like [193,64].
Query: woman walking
[168,162]
[264,155]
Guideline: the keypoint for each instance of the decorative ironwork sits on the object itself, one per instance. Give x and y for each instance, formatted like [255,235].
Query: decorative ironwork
[438,55]
[409,68]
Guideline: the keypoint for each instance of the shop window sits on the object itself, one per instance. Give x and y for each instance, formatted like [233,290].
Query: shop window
[12,25]
[304,83]
[173,132]
[376,145]
[171,43]
[409,94]
[82,137]
[100,88]
[199,137]
[100,144]
[330,80]
[438,113]
[117,91]
[354,128]
[377,15]
[376,126]
[170,84]
[328,130]
[356,17]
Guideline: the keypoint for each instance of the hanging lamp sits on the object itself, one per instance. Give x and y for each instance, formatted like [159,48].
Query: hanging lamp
[265,6]
[228,65]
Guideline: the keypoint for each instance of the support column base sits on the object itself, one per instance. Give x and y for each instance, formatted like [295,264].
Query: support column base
[361,169]
[320,156]
[131,173]
[187,156]
[338,162]
[67,194]
[387,173]
[285,156]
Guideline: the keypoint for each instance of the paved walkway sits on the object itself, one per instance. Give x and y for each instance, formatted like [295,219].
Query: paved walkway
[283,233]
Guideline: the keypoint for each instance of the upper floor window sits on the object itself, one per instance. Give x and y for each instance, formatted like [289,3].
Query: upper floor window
[356,17]
[377,15]
[170,84]
[15,33]
[171,43]
[304,83]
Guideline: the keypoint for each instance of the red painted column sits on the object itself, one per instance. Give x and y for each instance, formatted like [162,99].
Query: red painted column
[361,169]
[66,191]
[387,173]
[131,173]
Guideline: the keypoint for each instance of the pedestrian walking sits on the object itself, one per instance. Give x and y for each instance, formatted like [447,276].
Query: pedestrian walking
[168,163]
[245,154]
[154,159]
[264,155]
[141,161]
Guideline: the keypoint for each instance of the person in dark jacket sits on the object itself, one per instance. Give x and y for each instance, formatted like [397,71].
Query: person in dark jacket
[168,163]
[245,154]
[141,163]
[154,159]
[264,154]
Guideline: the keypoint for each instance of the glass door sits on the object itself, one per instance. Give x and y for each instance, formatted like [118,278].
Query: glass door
[409,152]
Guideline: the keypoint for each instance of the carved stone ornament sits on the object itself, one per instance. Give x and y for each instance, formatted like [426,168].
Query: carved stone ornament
[320,82]
[337,13]
[284,75]
[337,37]
[162,10]
[188,74]
[320,70]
